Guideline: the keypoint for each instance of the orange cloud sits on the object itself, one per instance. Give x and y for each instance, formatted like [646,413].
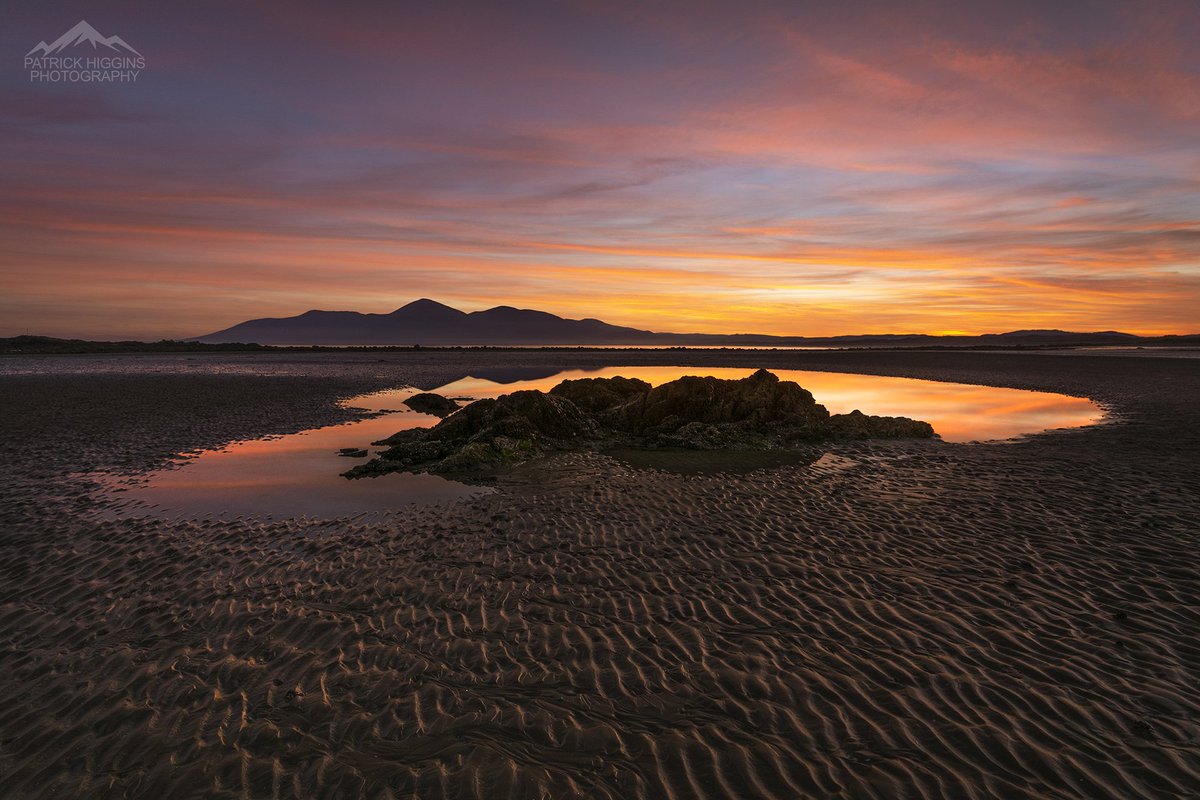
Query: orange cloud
[788,169]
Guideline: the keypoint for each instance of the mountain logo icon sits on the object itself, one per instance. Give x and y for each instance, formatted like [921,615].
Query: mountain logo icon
[81,34]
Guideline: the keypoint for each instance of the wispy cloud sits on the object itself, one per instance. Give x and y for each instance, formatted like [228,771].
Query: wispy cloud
[795,169]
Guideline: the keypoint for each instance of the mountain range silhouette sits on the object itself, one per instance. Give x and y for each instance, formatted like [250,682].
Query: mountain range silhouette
[427,322]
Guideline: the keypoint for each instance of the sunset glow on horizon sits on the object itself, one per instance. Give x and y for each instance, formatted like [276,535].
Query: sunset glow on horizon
[689,167]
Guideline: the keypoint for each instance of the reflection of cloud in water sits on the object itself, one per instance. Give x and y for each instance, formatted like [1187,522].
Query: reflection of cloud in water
[294,475]
[958,412]
[299,474]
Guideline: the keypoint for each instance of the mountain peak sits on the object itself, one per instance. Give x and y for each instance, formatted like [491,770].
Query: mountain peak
[428,322]
[425,305]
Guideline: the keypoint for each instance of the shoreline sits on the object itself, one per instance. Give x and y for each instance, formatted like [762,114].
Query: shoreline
[1012,618]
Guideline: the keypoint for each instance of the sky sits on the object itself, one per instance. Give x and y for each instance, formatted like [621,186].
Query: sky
[769,167]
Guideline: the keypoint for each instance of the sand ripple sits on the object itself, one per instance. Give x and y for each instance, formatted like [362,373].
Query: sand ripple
[906,620]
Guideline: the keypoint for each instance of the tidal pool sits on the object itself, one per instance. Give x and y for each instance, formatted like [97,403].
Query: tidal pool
[298,474]
[959,412]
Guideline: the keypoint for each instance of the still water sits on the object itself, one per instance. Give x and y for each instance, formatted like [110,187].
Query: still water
[299,474]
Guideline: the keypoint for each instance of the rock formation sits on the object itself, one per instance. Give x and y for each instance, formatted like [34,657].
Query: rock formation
[700,413]
[430,403]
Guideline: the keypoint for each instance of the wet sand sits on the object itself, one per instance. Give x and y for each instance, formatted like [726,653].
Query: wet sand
[901,619]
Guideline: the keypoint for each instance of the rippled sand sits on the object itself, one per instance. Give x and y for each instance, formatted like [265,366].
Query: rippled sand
[913,619]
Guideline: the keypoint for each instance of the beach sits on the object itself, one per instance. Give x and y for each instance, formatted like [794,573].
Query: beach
[897,619]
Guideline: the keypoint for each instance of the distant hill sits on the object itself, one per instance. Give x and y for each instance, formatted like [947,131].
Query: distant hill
[49,345]
[427,322]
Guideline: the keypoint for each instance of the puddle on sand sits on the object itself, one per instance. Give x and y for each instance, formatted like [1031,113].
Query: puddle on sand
[959,412]
[299,474]
[295,475]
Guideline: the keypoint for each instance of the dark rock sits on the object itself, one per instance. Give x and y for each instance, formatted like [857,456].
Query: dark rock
[430,403]
[488,434]
[711,413]
[857,425]
[759,399]
[601,394]
[760,412]
[353,452]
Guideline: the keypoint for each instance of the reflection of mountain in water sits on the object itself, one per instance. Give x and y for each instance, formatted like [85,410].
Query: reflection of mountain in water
[501,375]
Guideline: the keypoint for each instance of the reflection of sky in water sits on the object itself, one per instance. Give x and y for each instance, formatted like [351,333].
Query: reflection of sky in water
[295,475]
[958,412]
[298,474]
